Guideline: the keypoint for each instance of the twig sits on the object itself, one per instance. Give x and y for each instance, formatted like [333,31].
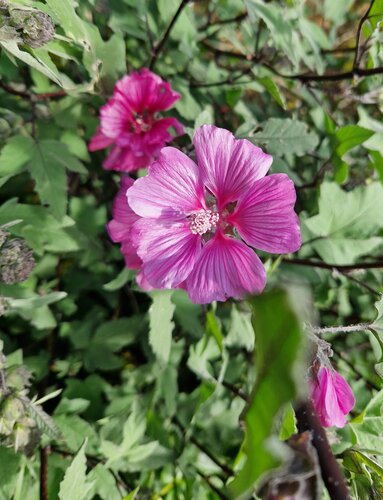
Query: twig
[236,19]
[358,55]
[312,77]
[211,485]
[159,46]
[25,94]
[361,327]
[225,468]
[44,453]
[235,390]
[378,264]
[361,283]
[333,479]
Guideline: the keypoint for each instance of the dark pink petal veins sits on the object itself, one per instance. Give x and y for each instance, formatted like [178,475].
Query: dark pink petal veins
[265,217]
[226,268]
[168,250]
[228,166]
[172,187]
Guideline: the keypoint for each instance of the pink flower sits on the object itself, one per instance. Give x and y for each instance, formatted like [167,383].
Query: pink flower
[120,230]
[130,122]
[332,397]
[197,223]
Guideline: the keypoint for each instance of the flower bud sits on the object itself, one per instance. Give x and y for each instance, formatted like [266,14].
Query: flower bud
[332,397]
[16,261]
[36,27]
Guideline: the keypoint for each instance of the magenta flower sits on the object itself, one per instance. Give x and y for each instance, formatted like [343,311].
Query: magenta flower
[120,230]
[197,223]
[130,122]
[332,397]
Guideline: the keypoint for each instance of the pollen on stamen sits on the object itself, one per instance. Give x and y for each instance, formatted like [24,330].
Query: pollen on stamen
[203,221]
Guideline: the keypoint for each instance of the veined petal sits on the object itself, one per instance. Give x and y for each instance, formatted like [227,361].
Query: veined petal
[228,166]
[346,398]
[123,159]
[146,91]
[226,268]
[99,141]
[265,217]
[168,250]
[120,226]
[171,187]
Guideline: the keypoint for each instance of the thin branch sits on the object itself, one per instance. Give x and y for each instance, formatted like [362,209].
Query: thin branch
[225,468]
[219,22]
[307,420]
[361,283]
[159,46]
[358,54]
[312,77]
[211,485]
[235,390]
[44,453]
[378,264]
[25,94]
[361,327]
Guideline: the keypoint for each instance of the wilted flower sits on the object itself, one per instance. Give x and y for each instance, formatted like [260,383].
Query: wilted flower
[16,261]
[34,27]
[332,397]
[130,123]
[197,222]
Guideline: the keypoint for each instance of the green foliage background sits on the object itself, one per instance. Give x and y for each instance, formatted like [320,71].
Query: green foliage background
[152,389]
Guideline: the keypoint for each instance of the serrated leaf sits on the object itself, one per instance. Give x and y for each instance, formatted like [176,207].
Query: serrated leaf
[376,329]
[161,325]
[279,340]
[15,155]
[74,486]
[272,88]
[42,419]
[286,137]
[350,136]
[50,71]
[347,222]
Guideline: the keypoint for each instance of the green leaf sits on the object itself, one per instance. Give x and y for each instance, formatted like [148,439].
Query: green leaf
[286,137]
[279,339]
[74,486]
[213,329]
[350,136]
[347,222]
[272,88]
[15,155]
[49,70]
[376,329]
[119,281]
[47,168]
[161,325]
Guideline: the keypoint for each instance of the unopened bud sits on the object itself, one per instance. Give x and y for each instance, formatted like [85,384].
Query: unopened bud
[16,261]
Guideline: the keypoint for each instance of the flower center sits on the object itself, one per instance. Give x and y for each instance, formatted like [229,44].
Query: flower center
[142,122]
[203,221]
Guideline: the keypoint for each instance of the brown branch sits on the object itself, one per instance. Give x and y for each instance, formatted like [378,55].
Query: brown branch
[377,264]
[219,22]
[359,55]
[212,486]
[332,476]
[44,453]
[225,468]
[160,45]
[30,96]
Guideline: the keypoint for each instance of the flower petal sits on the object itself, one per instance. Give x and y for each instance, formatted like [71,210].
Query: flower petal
[168,250]
[226,268]
[99,141]
[346,398]
[146,91]
[265,217]
[120,226]
[124,160]
[228,166]
[172,186]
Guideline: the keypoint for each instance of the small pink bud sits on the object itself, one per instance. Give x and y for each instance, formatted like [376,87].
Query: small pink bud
[332,397]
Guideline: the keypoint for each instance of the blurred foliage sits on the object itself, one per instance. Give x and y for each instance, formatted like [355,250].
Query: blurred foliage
[153,387]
